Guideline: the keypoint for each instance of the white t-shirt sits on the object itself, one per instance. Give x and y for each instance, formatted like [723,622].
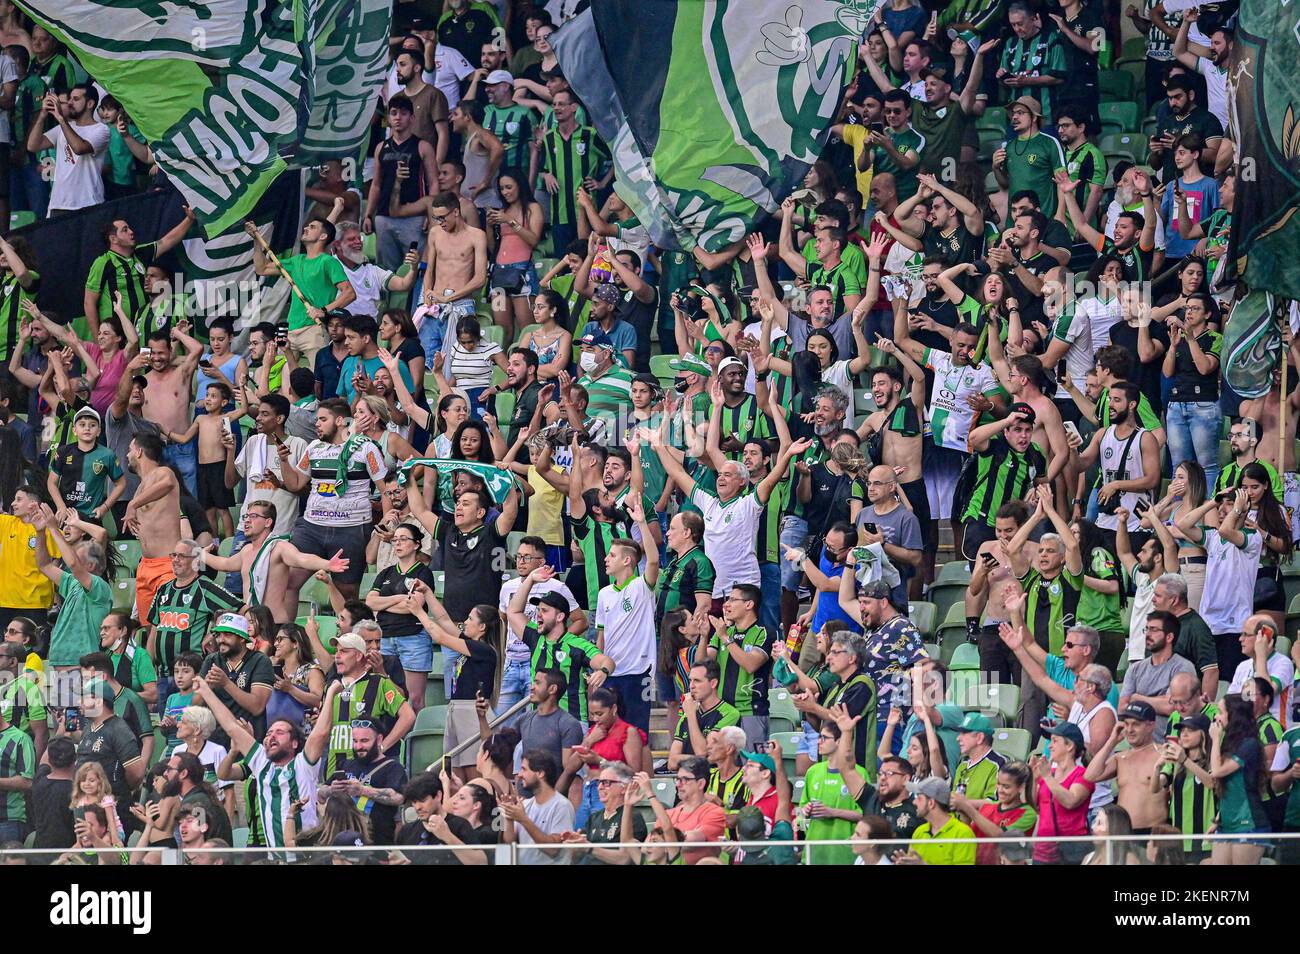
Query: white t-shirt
[627,616]
[369,282]
[730,530]
[838,375]
[1283,672]
[754,329]
[1144,591]
[8,74]
[515,647]
[255,460]
[1216,89]
[78,179]
[1101,316]
[1076,329]
[325,506]
[553,817]
[1230,572]
[949,414]
[1112,216]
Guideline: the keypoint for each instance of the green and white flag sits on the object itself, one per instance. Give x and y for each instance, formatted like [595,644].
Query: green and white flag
[498,481]
[713,109]
[227,91]
[1252,344]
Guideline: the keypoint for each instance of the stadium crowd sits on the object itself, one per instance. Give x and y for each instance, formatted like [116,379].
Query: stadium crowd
[923,512]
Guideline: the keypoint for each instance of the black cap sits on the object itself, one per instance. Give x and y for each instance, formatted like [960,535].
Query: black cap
[1142,711]
[1199,721]
[1025,409]
[554,600]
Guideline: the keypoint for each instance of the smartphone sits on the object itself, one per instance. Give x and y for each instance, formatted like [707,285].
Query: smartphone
[312,608]
[989,560]
[870,528]
[147,352]
[1141,507]
[1071,429]
[413,246]
[225,427]
[410,585]
[72,719]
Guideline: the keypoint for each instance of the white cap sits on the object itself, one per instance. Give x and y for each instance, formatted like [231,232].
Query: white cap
[499,76]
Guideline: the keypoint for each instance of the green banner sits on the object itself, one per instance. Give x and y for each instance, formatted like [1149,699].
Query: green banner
[1252,344]
[498,481]
[226,91]
[1264,93]
[714,109]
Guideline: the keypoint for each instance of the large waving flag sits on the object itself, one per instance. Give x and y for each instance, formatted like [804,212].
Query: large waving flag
[498,480]
[227,91]
[1264,87]
[713,109]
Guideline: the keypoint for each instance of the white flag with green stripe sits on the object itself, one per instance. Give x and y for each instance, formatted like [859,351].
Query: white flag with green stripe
[228,92]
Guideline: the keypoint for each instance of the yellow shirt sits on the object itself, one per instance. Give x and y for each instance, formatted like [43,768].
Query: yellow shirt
[855,137]
[22,584]
[545,510]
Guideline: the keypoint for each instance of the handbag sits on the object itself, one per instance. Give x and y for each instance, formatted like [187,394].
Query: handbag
[509,280]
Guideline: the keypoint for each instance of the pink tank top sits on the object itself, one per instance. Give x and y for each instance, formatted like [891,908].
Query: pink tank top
[512,248]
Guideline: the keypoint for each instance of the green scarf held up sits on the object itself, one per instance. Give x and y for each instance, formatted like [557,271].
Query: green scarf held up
[345,454]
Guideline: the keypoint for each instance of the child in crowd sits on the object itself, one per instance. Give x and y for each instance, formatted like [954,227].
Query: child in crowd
[211,425]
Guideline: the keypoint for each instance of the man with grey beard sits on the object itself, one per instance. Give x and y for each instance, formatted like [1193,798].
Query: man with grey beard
[369,280]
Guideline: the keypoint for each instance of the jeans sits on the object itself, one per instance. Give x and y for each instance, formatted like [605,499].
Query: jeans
[438,329]
[235,581]
[185,458]
[514,686]
[13,831]
[1193,429]
[794,533]
[769,612]
[393,237]
[590,803]
[449,659]
[28,190]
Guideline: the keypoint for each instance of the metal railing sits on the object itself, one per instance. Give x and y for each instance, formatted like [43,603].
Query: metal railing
[1156,850]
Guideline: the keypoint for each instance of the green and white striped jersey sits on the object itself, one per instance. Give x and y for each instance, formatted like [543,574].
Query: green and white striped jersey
[279,786]
[950,415]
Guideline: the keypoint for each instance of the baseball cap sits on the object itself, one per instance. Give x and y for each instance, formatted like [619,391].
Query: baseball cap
[1068,730]
[691,363]
[98,688]
[1030,104]
[876,590]
[761,758]
[1142,711]
[596,339]
[931,787]
[608,293]
[349,641]
[1199,721]
[233,623]
[499,76]
[348,839]
[554,600]
[941,73]
[728,362]
[89,412]
[976,722]
[141,380]
[1024,409]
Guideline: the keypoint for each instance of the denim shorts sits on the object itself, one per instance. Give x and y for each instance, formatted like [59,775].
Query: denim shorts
[530,287]
[807,743]
[414,652]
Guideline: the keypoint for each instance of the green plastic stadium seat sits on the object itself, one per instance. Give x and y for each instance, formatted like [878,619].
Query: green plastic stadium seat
[123,594]
[19,219]
[128,552]
[315,591]
[240,835]
[1135,144]
[424,743]
[995,117]
[789,742]
[329,627]
[1013,743]
[965,657]
[439,665]
[1000,699]
[495,333]
[435,692]
[932,650]
[923,616]
[952,637]
[954,571]
[368,581]
[505,406]
[949,604]
[665,790]
[512,540]
[1125,114]
[782,716]
[1115,85]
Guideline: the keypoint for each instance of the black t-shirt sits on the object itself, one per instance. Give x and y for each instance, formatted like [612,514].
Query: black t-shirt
[384,773]
[604,830]
[1145,375]
[640,315]
[416,834]
[112,745]
[472,563]
[960,246]
[942,312]
[393,582]
[830,500]
[51,816]
[477,672]
[1031,306]
[254,670]
[193,511]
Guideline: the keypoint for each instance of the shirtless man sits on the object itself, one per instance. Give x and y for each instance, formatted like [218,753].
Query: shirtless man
[893,437]
[168,400]
[457,261]
[1133,767]
[1023,377]
[993,581]
[153,516]
[264,563]
[1266,411]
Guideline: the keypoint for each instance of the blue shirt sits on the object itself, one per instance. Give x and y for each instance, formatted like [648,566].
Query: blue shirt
[620,332]
[327,371]
[1203,196]
[372,365]
[900,21]
[828,604]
